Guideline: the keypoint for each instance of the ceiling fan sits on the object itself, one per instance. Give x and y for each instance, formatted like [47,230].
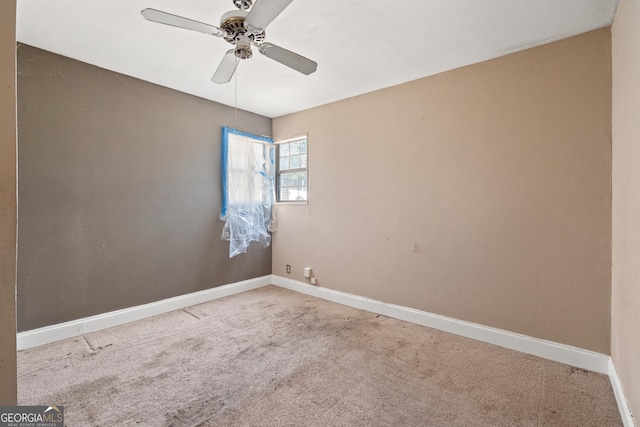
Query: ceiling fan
[242,28]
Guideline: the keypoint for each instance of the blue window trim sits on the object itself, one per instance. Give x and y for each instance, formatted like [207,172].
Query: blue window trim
[224,155]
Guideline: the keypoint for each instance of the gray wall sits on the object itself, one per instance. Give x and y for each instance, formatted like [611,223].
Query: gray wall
[8,387]
[119,189]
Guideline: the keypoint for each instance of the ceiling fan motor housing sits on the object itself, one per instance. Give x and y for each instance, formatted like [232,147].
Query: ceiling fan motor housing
[233,24]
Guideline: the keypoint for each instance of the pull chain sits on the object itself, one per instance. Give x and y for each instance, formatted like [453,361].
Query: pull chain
[235,102]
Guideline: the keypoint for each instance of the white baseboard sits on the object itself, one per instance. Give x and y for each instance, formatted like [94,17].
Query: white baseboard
[49,334]
[623,406]
[562,353]
[573,356]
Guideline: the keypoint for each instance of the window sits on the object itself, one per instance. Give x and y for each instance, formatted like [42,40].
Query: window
[247,189]
[292,170]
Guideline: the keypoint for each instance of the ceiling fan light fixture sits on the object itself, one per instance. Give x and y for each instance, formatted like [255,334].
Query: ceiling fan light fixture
[243,53]
[243,47]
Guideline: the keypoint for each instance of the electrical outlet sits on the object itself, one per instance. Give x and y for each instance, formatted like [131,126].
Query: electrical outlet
[288,269]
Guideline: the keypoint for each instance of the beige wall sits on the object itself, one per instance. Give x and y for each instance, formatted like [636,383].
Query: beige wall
[483,194]
[625,337]
[8,376]
[119,191]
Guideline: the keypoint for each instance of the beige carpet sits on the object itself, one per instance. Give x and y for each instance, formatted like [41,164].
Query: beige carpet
[272,357]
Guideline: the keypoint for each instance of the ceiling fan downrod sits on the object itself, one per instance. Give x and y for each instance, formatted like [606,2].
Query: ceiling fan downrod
[243,4]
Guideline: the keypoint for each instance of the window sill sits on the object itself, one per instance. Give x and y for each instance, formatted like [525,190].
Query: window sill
[293,203]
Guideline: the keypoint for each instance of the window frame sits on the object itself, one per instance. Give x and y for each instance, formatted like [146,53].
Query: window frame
[278,144]
[267,142]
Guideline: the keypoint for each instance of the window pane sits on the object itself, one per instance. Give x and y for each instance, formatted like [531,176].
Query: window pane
[301,193]
[293,179]
[292,186]
[294,148]
[284,193]
[294,162]
[303,180]
[284,163]
[294,194]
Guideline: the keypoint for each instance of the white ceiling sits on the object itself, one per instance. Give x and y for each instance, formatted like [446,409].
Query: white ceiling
[360,45]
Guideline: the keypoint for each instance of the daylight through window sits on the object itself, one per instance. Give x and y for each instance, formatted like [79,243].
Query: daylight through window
[292,170]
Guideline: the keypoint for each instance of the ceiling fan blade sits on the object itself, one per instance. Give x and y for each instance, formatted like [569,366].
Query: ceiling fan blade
[161,17]
[288,58]
[263,13]
[226,68]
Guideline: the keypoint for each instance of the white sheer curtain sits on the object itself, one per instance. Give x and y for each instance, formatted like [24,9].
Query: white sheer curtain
[248,165]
